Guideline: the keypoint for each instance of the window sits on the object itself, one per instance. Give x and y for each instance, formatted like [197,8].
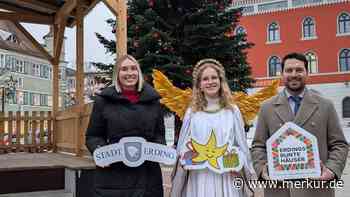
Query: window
[274,66]
[346,107]
[298,3]
[20,98]
[71,84]
[272,6]
[50,73]
[26,67]
[309,28]
[19,83]
[34,99]
[49,101]
[13,38]
[61,74]
[36,70]
[344,23]
[8,61]
[42,67]
[247,9]
[274,32]
[45,71]
[240,30]
[25,98]
[12,96]
[312,62]
[19,66]
[43,100]
[344,60]
[2,60]
[12,64]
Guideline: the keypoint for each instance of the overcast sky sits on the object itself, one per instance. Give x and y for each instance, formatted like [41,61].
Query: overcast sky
[95,21]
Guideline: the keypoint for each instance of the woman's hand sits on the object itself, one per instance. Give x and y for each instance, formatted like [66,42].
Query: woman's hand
[235,173]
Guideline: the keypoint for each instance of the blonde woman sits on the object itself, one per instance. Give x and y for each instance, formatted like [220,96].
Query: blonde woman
[131,108]
[211,112]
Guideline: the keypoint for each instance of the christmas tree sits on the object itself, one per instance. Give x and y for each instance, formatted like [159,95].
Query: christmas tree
[172,35]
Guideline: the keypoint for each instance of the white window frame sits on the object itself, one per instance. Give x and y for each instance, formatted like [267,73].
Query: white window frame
[268,66]
[309,66]
[339,66]
[314,36]
[278,31]
[337,23]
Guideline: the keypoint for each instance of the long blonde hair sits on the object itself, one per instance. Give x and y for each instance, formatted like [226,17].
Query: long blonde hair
[119,63]
[198,99]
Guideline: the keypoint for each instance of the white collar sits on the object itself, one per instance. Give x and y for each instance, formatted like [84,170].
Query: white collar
[301,95]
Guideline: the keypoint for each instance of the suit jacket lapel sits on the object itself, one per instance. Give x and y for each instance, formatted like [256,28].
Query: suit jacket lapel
[282,108]
[307,108]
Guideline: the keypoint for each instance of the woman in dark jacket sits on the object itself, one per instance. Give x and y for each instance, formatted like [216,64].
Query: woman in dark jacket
[130,108]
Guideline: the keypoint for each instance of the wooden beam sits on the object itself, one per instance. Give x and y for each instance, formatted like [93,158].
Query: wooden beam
[14,8]
[27,17]
[80,55]
[38,5]
[65,11]
[80,72]
[58,42]
[119,6]
[121,33]
[36,44]
[55,92]
[88,7]
[112,5]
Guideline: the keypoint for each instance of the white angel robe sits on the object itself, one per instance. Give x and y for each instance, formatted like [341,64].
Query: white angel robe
[227,125]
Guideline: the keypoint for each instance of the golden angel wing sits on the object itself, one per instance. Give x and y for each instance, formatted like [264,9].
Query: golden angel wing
[176,99]
[250,105]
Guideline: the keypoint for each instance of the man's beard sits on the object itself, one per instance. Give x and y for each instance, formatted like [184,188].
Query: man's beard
[300,88]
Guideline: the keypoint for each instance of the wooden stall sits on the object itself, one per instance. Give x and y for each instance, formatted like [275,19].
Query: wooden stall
[67,128]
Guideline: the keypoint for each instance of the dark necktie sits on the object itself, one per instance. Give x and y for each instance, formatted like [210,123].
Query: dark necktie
[297,102]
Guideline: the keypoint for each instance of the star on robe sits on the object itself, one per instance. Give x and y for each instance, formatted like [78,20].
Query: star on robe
[208,152]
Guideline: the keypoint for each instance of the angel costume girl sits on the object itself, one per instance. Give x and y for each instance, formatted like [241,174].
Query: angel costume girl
[205,137]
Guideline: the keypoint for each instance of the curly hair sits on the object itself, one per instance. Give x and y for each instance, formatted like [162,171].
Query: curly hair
[198,99]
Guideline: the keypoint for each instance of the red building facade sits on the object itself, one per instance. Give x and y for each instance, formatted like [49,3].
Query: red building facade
[318,28]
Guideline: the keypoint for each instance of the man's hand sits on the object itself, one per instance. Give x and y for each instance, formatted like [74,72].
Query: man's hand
[326,174]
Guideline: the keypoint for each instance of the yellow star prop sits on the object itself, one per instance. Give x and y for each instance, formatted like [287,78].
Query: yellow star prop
[208,152]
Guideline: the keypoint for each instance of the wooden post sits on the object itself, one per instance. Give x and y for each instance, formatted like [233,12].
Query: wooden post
[80,72]
[2,132]
[49,130]
[33,129]
[119,8]
[18,131]
[41,132]
[121,33]
[10,132]
[55,95]
[26,128]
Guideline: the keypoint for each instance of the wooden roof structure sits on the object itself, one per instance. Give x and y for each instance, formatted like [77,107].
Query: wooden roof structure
[60,14]
[14,40]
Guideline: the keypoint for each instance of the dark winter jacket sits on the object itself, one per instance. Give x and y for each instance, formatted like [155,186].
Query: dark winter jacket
[114,117]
